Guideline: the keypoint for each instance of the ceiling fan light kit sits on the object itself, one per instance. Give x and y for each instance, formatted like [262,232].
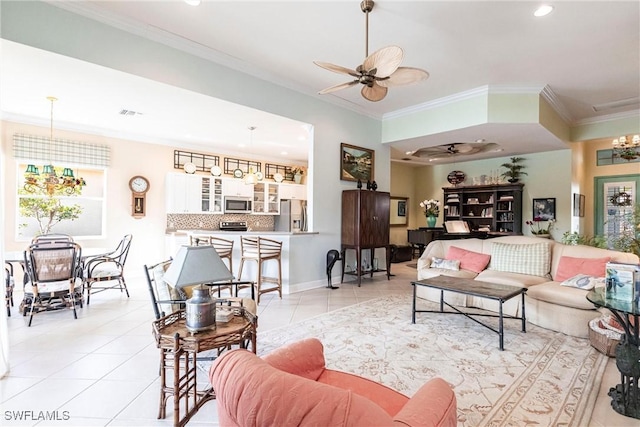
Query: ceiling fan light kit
[379,71]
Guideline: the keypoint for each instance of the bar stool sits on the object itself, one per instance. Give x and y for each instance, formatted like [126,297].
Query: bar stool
[261,250]
[223,247]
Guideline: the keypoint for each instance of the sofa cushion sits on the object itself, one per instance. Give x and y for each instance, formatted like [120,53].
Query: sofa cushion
[554,293]
[569,267]
[445,264]
[506,278]
[583,281]
[426,273]
[532,259]
[469,260]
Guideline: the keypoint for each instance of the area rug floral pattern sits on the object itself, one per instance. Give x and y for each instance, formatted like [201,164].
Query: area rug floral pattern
[542,378]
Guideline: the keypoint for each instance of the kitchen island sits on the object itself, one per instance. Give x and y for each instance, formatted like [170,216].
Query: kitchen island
[294,262]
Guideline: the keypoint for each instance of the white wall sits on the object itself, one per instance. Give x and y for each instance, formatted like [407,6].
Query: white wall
[43,26]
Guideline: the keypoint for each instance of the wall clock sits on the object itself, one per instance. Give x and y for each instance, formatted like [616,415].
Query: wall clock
[139,186]
[456,177]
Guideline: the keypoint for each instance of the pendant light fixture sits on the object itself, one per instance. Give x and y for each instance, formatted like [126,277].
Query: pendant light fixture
[251,178]
[48,182]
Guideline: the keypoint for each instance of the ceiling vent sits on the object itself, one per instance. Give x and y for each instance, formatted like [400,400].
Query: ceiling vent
[614,105]
[125,112]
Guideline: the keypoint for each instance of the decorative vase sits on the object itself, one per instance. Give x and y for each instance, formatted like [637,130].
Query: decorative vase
[200,310]
[431,221]
[297,178]
[544,236]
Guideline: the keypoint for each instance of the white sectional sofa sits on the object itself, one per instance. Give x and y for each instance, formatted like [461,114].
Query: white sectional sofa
[529,262]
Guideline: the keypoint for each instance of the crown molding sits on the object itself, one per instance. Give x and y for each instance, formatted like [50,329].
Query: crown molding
[609,117]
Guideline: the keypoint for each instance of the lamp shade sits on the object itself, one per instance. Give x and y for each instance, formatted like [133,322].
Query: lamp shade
[195,265]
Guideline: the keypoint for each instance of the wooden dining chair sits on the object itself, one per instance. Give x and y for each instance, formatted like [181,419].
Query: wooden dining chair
[105,272]
[52,272]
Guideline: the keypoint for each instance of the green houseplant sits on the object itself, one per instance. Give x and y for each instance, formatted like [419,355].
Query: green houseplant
[514,169]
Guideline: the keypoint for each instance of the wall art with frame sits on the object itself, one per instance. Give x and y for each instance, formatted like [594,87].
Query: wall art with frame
[578,204]
[544,209]
[356,163]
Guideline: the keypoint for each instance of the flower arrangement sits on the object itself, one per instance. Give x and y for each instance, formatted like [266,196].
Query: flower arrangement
[538,228]
[297,171]
[431,207]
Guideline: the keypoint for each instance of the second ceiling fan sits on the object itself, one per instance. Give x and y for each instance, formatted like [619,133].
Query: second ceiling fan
[379,71]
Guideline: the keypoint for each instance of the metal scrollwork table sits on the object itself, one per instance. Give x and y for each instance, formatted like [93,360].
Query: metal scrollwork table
[625,397]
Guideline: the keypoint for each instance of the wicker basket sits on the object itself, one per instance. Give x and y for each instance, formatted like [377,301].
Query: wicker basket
[602,338]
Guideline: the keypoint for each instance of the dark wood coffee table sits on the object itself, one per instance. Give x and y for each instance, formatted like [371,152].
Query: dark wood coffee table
[493,291]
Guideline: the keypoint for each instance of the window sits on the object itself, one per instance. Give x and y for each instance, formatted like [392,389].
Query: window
[90,207]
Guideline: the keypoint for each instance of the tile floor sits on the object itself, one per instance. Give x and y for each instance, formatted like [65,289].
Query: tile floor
[102,369]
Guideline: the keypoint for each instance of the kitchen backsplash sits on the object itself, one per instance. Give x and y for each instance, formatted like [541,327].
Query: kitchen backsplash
[212,222]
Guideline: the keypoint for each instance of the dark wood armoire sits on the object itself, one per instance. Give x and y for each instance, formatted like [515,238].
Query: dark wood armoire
[365,225]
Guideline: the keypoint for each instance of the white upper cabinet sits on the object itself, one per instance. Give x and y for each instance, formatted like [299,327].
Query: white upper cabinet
[293,192]
[266,198]
[184,193]
[236,187]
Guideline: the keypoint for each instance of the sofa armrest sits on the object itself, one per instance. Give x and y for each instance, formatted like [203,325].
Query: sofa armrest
[303,358]
[434,404]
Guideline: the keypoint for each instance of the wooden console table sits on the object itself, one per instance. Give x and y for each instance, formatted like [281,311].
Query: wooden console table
[178,349]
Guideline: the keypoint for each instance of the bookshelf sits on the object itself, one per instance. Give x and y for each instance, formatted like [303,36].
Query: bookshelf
[496,209]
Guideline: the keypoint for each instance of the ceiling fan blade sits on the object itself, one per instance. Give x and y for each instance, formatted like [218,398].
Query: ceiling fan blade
[385,61]
[338,87]
[404,76]
[337,68]
[374,93]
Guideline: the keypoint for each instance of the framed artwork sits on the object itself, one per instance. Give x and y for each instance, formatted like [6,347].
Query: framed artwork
[544,209]
[578,204]
[356,163]
[398,214]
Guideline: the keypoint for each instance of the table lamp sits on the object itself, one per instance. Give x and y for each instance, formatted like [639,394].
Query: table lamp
[198,265]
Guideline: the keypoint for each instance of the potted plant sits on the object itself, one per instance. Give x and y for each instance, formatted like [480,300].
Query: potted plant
[514,169]
[297,174]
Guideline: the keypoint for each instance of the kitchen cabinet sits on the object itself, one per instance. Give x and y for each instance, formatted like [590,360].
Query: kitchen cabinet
[293,192]
[266,198]
[236,187]
[184,193]
[365,225]
[496,209]
[212,195]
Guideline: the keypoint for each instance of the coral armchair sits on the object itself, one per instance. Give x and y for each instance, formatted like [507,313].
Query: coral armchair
[292,387]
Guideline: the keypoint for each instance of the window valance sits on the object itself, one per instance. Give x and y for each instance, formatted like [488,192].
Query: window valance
[30,147]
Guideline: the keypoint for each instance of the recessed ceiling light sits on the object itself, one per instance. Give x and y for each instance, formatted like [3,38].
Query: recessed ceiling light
[284,153]
[192,2]
[543,10]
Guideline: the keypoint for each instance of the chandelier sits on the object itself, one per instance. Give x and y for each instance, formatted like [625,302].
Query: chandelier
[49,182]
[627,147]
[251,177]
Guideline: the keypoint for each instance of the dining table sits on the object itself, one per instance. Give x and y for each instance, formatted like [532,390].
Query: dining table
[18,256]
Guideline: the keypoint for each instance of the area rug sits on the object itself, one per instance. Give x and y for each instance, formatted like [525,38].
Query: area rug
[543,377]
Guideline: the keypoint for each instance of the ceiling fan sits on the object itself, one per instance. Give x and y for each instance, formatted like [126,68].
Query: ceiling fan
[379,71]
[453,149]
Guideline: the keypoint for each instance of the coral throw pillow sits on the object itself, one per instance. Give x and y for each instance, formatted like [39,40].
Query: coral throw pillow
[569,267]
[469,260]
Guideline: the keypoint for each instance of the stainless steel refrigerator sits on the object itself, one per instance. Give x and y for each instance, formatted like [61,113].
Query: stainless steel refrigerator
[292,216]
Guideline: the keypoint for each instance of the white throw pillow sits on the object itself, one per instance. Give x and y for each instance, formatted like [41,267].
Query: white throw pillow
[584,281]
[533,259]
[445,264]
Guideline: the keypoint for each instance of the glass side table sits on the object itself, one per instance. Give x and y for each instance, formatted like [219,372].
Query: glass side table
[625,397]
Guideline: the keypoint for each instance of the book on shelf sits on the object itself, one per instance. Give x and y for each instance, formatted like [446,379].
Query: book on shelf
[505,198]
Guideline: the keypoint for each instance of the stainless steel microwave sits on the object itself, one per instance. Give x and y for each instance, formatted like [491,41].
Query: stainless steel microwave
[234,204]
